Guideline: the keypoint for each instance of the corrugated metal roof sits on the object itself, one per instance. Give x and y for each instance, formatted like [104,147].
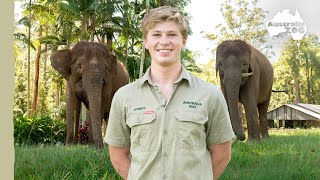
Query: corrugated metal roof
[310,109]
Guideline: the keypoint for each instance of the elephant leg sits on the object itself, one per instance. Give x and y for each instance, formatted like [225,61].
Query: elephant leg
[251,113]
[263,109]
[73,114]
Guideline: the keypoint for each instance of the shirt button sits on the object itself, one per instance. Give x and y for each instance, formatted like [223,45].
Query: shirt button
[165,132]
[163,105]
[165,154]
[164,177]
[139,121]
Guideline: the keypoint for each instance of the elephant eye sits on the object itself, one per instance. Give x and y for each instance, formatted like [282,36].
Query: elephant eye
[245,64]
[79,66]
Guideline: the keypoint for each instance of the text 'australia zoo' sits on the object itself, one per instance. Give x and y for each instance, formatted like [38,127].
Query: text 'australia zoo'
[192,104]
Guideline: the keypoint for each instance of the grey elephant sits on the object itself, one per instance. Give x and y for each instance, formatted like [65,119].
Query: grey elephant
[93,75]
[246,76]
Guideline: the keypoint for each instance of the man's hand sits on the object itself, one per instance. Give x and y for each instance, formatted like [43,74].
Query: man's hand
[120,160]
[220,157]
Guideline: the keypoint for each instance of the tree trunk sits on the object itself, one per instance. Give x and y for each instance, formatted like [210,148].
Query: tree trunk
[297,91]
[109,38]
[162,3]
[110,29]
[92,27]
[142,61]
[84,28]
[308,80]
[29,41]
[36,78]
[126,34]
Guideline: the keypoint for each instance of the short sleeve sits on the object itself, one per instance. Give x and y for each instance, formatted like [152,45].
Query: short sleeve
[219,128]
[117,132]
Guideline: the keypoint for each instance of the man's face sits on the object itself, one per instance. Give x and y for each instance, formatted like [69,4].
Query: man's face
[164,43]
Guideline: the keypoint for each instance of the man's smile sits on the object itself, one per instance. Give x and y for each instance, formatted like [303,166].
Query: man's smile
[164,50]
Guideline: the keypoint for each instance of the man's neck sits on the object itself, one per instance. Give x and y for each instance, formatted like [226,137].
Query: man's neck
[162,76]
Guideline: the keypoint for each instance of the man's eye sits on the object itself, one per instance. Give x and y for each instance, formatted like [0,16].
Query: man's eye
[172,34]
[156,35]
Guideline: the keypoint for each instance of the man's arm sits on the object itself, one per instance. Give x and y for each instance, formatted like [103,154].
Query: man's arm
[120,160]
[220,157]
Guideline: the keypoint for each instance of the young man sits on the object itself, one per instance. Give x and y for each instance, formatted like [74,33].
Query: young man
[168,124]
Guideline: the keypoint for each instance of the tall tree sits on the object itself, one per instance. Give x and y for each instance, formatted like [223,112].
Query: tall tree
[244,20]
[29,42]
[302,60]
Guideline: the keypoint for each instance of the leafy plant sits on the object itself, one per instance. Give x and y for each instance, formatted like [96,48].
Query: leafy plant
[38,130]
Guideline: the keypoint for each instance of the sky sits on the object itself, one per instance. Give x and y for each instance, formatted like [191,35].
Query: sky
[205,15]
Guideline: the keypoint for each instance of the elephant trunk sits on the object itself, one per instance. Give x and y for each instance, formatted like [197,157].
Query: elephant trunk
[232,86]
[94,93]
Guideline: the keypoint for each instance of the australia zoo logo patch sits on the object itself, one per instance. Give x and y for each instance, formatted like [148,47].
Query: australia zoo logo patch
[192,104]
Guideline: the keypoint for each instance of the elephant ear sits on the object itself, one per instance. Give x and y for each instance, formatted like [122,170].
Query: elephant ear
[218,57]
[61,61]
[112,59]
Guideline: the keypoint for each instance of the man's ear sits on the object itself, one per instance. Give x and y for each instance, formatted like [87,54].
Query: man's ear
[184,42]
[145,42]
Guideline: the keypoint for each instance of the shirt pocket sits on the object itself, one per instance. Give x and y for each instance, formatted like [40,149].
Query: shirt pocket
[190,133]
[143,132]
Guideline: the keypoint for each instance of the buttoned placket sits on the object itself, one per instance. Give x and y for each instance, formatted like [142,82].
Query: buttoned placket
[165,164]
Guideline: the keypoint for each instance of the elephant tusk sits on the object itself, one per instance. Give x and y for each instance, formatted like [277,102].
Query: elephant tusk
[247,74]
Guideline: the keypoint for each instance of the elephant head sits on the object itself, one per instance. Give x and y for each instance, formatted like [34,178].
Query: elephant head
[235,65]
[90,70]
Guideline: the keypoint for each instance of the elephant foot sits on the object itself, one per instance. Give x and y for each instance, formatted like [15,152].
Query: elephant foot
[99,144]
[265,136]
[252,138]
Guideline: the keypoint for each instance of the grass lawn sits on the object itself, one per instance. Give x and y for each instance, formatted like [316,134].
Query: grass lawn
[287,154]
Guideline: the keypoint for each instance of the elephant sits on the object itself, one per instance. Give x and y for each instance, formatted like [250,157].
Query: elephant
[93,74]
[246,77]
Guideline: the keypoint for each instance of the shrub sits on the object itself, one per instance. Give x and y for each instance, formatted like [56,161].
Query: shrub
[38,130]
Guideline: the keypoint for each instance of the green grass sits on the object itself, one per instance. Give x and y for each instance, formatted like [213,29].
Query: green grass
[287,154]
[51,162]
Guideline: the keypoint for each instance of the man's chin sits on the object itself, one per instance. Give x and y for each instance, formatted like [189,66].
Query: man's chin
[167,62]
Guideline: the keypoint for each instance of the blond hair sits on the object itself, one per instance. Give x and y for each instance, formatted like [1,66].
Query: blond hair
[161,14]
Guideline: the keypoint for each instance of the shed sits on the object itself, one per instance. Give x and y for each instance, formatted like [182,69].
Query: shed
[294,115]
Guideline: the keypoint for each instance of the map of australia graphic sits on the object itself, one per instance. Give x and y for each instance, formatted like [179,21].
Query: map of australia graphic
[285,22]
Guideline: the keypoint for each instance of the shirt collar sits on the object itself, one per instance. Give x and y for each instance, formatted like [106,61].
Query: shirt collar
[146,77]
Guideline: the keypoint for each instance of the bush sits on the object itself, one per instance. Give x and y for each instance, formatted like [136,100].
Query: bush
[38,130]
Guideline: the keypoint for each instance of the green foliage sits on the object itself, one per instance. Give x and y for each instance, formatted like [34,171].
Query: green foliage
[188,61]
[244,20]
[66,23]
[38,130]
[208,73]
[297,72]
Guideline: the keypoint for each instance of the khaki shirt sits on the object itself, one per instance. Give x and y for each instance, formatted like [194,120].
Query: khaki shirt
[169,140]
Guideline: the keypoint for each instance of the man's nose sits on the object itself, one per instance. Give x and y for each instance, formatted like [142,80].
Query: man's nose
[164,39]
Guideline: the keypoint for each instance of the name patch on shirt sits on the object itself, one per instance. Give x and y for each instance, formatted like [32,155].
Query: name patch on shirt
[192,104]
[139,108]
